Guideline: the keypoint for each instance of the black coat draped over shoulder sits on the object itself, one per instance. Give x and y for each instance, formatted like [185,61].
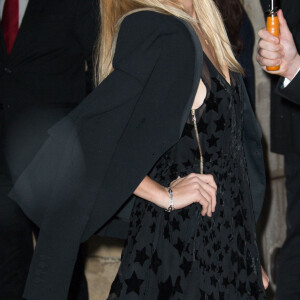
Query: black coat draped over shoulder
[95,157]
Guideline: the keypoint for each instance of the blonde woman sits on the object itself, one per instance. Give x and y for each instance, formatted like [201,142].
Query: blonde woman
[195,239]
[169,127]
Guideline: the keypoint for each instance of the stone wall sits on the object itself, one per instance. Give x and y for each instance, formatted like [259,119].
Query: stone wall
[104,254]
[102,265]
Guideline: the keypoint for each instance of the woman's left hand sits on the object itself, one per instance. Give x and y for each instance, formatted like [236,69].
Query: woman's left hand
[265,278]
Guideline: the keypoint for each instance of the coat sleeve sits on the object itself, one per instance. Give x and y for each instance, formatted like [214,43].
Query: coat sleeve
[96,155]
[291,92]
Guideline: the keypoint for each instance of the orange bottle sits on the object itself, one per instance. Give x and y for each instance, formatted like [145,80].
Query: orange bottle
[273,27]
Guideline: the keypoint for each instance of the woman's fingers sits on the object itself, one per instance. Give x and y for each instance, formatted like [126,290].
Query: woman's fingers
[207,197]
[212,193]
[204,203]
[207,178]
[193,188]
[208,183]
[208,188]
[201,196]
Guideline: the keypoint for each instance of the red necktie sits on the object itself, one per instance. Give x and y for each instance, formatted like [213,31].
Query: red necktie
[10,23]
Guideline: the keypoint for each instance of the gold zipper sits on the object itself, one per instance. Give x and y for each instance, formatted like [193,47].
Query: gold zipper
[198,141]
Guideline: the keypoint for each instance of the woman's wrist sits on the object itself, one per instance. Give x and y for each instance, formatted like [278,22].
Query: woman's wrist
[154,192]
[162,198]
[171,200]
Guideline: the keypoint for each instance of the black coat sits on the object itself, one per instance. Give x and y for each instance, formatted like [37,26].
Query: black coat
[47,62]
[285,115]
[96,157]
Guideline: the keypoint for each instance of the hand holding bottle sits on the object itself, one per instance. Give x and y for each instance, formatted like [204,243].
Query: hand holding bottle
[273,51]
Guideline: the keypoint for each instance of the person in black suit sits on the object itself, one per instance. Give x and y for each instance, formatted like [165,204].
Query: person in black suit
[283,52]
[45,71]
[285,136]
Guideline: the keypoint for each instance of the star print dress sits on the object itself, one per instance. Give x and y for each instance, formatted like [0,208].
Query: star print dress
[183,255]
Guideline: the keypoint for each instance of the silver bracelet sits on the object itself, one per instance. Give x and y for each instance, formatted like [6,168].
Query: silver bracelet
[171,202]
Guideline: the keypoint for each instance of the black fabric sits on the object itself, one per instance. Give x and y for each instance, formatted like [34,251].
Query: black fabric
[23,133]
[79,287]
[285,115]
[47,62]
[245,57]
[183,255]
[288,276]
[96,156]
[292,91]
[288,280]
[41,80]
[15,238]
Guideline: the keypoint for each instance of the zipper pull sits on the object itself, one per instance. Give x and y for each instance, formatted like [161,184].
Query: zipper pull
[198,140]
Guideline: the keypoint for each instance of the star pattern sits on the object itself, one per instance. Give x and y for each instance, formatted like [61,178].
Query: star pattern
[167,232]
[175,224]
[186,266]
[152,227]
[213,280]
[155,262]
[154,213]
[133,284]
[212,141]
[207,156]
[202,126]
[177,287]
[141,256]
[165,289]
[254,289]
[179,246]
[184,214]
[212,106]
[242,288]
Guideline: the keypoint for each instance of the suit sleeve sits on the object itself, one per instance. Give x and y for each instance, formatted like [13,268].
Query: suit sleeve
[292,91]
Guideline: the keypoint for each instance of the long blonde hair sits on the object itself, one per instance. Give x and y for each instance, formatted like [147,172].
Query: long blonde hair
[208,18]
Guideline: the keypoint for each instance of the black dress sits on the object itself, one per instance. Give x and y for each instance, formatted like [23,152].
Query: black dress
[181,254]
